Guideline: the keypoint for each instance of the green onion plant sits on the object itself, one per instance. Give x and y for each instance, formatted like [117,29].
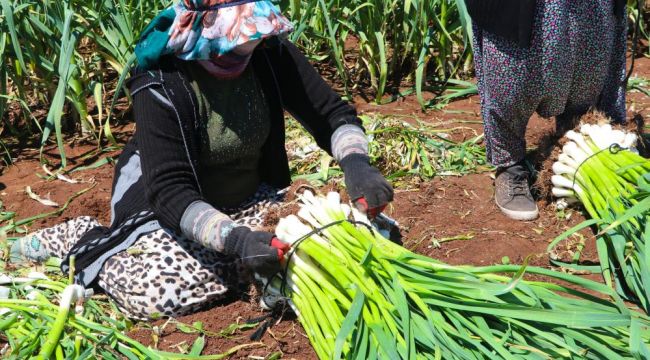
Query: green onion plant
[360,296]
[599,167]
[43,318]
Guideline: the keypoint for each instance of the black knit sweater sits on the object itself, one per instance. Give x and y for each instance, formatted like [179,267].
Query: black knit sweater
[168,144]
[167,141]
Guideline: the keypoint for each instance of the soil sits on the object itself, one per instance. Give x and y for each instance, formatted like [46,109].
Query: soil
[453,219]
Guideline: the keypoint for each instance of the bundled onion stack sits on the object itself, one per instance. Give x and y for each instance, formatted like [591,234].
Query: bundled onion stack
[360,296]
[600,168]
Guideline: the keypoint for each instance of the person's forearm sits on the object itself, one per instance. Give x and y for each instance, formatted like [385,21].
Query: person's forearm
[206,225]
[349,139]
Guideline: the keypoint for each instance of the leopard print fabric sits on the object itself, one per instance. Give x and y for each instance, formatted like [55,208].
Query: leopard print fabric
[57,240]
[253,211]
[162,273]
[167,275]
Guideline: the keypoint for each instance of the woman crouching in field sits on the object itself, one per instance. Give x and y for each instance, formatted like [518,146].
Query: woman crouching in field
[207,161]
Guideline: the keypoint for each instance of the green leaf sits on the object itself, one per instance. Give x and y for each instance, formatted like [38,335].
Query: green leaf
[198,325]
[8,13]
[515,279]
[639,209]
[197,347]
[573,230]
[351,319]
[186,328]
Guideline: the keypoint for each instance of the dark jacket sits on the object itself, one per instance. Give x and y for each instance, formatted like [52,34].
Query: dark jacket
[512,19]
[167,140]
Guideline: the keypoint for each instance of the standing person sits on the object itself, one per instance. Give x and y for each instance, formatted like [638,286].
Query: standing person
[555,57]
[207,161]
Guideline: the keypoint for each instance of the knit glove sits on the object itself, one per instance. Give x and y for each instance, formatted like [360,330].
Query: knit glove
[259,251]
[367,188]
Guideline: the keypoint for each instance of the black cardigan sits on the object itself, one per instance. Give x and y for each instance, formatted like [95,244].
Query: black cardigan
[512,19]
[167,140]
[168,144]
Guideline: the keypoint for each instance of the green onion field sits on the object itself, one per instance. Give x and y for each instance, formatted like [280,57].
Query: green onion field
[467,283]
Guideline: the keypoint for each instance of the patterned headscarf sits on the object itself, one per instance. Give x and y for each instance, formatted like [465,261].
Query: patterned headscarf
[208,29]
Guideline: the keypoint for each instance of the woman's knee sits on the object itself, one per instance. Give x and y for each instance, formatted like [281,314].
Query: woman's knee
[162,278]
[163,296]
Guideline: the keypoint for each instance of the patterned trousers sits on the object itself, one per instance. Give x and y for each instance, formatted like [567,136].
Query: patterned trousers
[576,62]
[162,273]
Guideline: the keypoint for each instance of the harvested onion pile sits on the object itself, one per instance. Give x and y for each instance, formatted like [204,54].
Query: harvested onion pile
[600,168]
[595,164]
[359,296]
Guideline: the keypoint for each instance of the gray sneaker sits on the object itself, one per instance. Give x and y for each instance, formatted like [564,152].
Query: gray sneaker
[512,193]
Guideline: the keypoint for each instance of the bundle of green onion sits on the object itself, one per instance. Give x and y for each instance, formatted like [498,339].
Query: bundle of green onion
[360,296]
[600,168]
[596,164]
[32,326]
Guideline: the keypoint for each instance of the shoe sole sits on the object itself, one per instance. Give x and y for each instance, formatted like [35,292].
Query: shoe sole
[519,215]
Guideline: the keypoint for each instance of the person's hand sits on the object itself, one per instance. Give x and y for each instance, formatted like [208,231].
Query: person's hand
[367,188]
[259,251]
